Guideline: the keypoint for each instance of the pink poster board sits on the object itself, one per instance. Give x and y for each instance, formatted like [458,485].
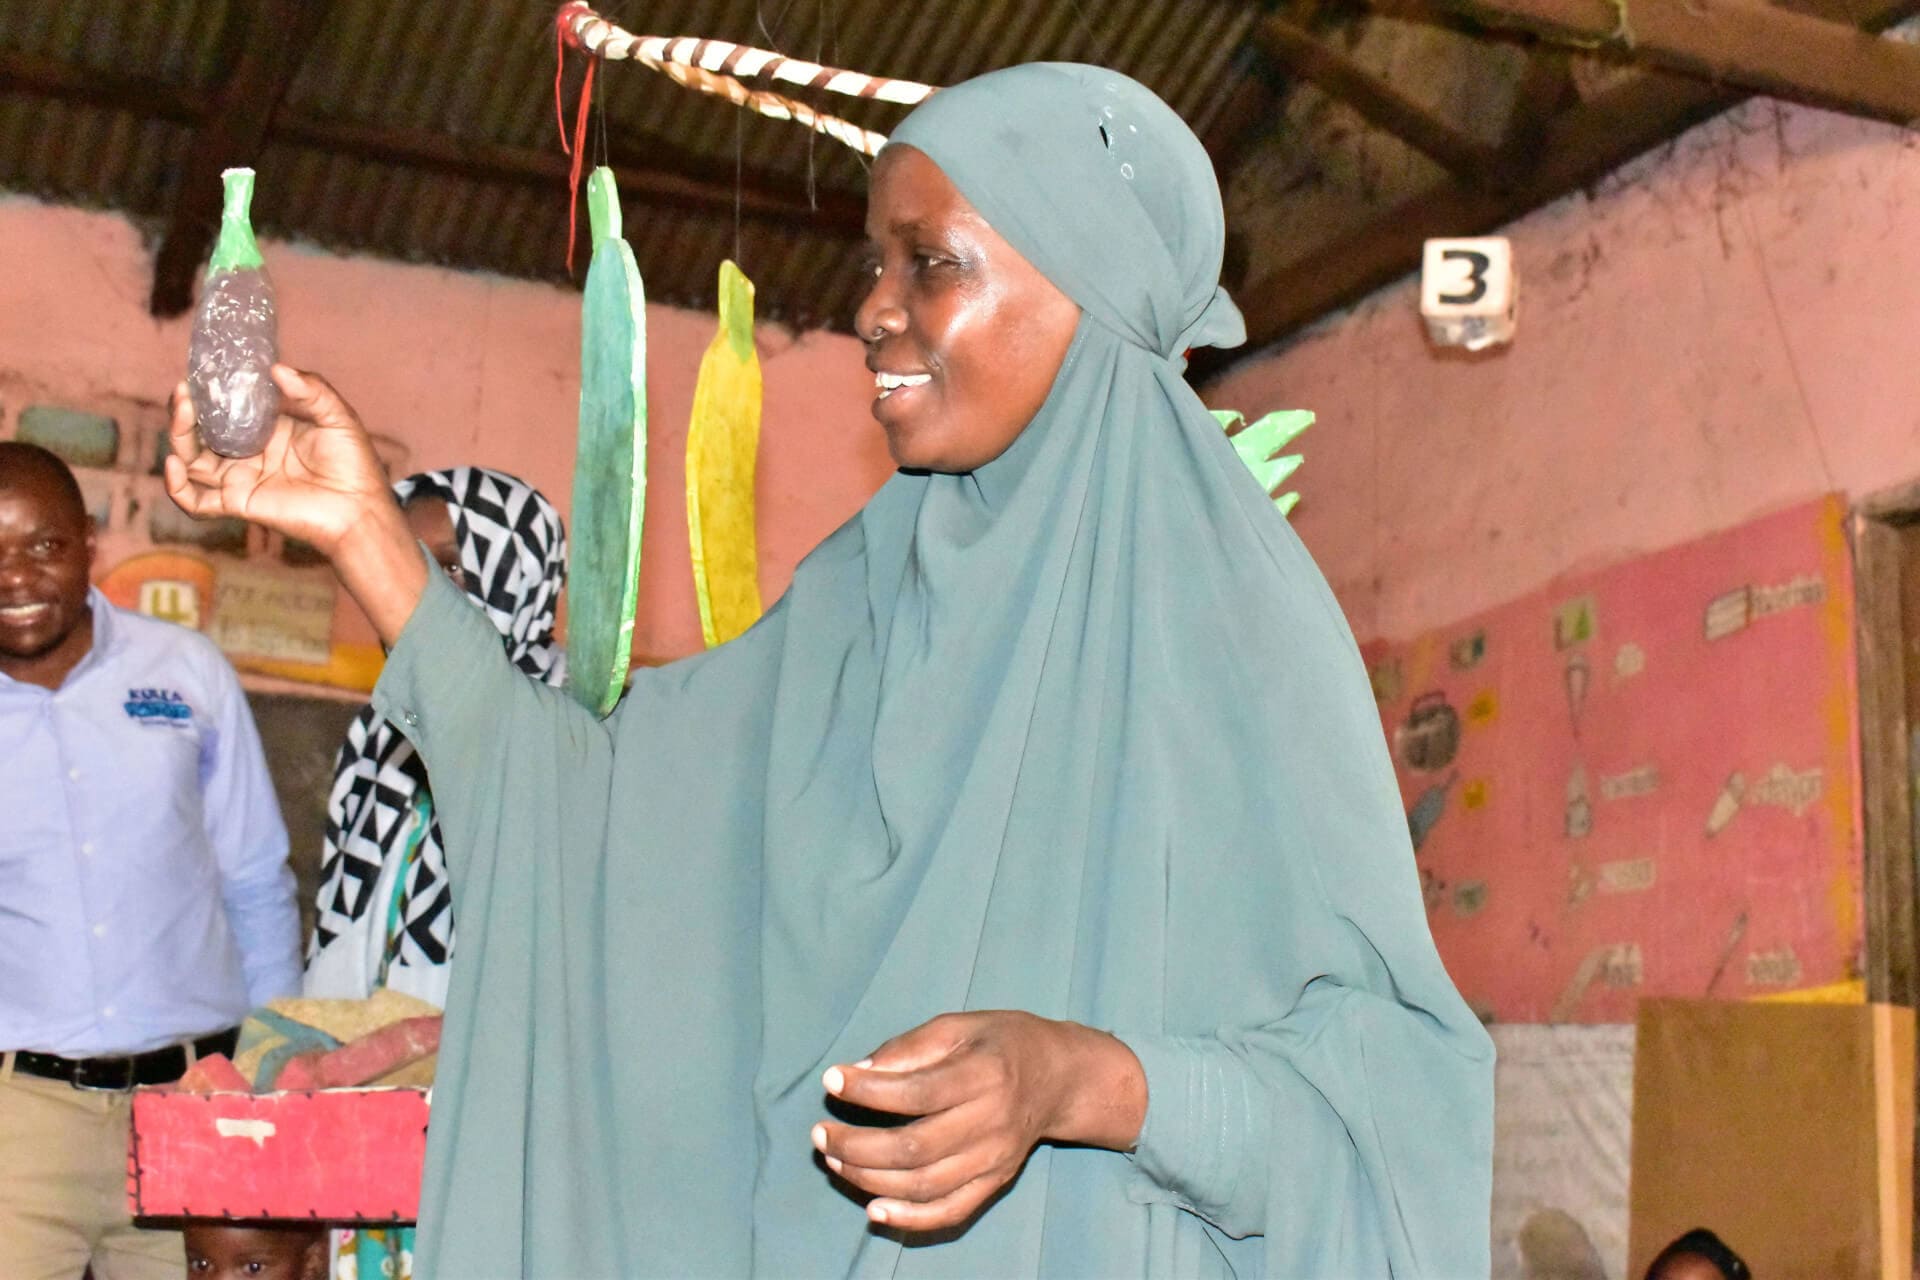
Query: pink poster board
[1641,781]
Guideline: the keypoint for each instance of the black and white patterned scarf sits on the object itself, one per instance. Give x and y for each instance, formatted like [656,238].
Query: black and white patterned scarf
[513,554]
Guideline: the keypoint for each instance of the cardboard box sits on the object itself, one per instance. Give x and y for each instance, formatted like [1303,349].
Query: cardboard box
[1786,1128]
[334,1155]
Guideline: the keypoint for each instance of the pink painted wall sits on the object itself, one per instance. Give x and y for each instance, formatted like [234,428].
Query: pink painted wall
[1722,329]
[1728,326]
[457,367]
[1612,794]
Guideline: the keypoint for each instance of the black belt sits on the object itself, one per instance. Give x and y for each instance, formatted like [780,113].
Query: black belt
[157,1066]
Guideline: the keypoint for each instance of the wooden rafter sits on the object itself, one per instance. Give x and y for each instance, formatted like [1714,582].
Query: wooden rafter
[1243,117]
[651,170]
[1580,147]
[276,35]
[691,184]
[1576,148]
[1544,88]
[148,97]
[1749,44]
[1383,106]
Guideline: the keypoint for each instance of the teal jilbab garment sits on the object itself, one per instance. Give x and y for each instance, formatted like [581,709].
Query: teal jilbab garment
[1081,732]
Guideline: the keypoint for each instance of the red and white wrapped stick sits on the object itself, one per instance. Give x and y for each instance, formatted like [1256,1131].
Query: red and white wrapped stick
[715,66]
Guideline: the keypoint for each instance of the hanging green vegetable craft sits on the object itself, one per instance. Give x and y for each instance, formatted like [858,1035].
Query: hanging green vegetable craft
[610,480]
[610,467]
[720,67]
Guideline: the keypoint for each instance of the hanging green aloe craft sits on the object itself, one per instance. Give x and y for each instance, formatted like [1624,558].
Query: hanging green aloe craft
[610,466]
[1259,444]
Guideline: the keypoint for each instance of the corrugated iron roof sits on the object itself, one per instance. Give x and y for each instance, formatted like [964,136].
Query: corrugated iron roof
[482,75]
[426,131]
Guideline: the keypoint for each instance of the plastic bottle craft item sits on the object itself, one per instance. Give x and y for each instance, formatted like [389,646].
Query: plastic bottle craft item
[235,335]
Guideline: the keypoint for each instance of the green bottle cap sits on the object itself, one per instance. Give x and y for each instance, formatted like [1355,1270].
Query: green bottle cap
[235,250]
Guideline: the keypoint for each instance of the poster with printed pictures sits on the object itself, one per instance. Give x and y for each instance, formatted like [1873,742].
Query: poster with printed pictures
[1641,780]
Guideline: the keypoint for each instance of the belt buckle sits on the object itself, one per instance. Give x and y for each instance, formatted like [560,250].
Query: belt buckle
[88,1079]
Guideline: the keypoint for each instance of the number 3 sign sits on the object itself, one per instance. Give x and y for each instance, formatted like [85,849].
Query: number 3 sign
[1468,292]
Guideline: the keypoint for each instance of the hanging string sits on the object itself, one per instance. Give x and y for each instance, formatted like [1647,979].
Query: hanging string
[579,156]
[819,52]
[739,117]
[1090,35]
[579,148]
[760,20]
[559,75]
[600,118]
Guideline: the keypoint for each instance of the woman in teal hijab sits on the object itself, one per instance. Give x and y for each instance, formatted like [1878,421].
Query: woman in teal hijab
[1027,894]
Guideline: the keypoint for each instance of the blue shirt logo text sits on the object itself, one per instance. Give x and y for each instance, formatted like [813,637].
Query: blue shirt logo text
[163,706]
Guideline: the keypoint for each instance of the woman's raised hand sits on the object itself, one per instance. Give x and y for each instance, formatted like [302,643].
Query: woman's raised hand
[986,1087]
[319,480]
[316,480]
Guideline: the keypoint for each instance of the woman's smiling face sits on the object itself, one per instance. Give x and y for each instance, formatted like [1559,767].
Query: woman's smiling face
[964,336]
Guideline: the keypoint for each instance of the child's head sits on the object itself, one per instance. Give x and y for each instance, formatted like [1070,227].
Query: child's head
[255,1251]
[1698,1255]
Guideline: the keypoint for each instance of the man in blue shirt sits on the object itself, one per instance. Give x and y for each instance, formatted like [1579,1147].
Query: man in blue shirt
[145,899]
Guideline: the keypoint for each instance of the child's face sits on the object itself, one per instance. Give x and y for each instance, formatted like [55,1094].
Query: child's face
[255,1253]
[1689,1266]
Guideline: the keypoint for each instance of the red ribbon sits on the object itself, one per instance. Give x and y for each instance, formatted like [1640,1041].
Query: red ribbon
[564,36]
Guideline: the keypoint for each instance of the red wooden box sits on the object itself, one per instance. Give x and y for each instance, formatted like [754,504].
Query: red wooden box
[336,1155]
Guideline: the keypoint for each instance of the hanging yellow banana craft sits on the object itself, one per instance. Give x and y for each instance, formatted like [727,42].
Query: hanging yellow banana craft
[721,444]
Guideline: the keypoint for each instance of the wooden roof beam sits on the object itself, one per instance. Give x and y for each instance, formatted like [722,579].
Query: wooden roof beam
[1580,147]
[147,97]
[1545,88]
[668,177]
[1245,115]
[276,36]
[673,185]
[1577,148]
[1749,44]
[1383,106]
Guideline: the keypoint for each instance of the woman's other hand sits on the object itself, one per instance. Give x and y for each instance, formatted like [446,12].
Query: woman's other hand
[986,1087]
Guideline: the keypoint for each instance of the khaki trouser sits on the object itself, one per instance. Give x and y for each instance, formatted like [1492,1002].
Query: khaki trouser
[63,1187]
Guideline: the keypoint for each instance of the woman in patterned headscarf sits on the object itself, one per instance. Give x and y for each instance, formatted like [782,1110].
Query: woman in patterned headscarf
[385,910]
[384,917]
